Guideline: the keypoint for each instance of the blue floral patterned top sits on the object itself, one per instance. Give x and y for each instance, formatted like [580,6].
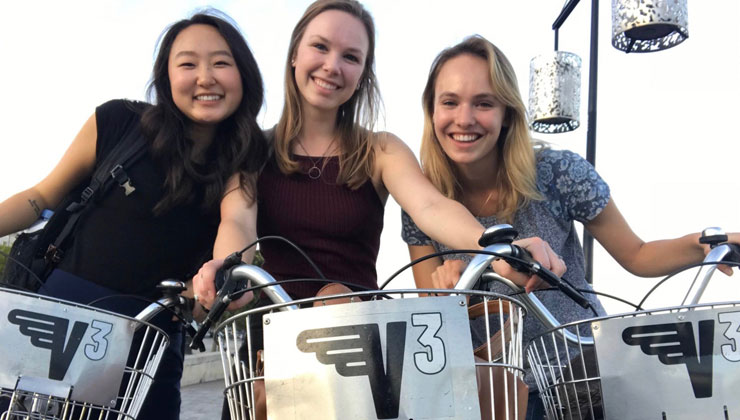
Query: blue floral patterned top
[572,190]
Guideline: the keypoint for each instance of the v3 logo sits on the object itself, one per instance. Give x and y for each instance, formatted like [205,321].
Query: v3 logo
[355,350]
[51,332]
[674,343]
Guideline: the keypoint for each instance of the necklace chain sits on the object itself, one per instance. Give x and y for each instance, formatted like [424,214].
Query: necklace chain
[314,172]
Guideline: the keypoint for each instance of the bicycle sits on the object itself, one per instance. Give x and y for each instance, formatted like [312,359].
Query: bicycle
[607,374]
[63,360]
[381,354]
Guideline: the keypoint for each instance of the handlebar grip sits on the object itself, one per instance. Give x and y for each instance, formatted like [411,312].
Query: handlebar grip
[733,256]
[225,284]
[522,254]
[238,284]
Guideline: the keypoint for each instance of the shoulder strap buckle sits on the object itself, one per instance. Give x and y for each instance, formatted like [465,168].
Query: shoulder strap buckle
[121,177]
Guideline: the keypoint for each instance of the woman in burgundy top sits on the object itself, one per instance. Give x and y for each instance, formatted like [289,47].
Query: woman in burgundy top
[330,174]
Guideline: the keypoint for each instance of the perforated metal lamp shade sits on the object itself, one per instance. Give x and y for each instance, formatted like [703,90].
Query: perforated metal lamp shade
[555,92]
[648,25]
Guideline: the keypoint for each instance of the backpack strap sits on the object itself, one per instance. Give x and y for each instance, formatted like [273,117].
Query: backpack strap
[109,171]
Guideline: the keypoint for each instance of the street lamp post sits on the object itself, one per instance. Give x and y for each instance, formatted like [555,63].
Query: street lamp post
[637,26]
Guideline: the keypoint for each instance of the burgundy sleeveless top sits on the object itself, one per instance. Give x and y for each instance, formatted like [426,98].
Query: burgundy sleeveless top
[339,228]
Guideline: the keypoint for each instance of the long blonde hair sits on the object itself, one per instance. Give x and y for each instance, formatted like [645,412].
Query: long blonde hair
[517,172]
[356,118]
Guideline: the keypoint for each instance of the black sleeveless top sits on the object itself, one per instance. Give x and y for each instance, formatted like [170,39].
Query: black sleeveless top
[339,228]
[120,243]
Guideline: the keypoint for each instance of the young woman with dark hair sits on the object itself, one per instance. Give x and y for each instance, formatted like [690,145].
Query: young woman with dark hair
[200,131]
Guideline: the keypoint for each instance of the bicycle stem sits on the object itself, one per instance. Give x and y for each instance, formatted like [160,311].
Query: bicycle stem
[478,265]
[172,299]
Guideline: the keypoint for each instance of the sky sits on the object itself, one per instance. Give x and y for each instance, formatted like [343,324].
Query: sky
[667,138]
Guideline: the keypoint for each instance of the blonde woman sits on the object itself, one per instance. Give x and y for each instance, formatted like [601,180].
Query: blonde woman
[476,149]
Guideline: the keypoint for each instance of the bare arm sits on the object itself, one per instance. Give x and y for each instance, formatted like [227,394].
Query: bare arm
[442,219]
[20,210]
[238,227]
[423,271]
[236,230]
[645,259]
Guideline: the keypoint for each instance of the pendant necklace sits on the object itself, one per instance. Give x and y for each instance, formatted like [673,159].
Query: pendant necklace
[314,172]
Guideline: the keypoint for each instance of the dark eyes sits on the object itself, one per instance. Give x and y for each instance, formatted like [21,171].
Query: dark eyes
[319,46]
[219,63]
[483,104]
[349,57]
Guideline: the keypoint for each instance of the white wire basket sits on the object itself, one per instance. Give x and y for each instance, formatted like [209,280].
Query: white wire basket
[63,360]
[376,354]
[673,363]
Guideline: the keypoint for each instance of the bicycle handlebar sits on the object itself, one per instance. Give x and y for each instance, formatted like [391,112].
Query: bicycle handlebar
[724,252]
[521,261]
[233,277]
[476,269]
[171,290]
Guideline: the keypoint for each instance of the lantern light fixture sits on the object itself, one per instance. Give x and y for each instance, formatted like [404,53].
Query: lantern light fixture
[648,25]
[555,92]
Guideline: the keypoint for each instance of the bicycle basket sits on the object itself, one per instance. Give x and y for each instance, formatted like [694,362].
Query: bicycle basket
[670,363]
[63,360]
[380,354]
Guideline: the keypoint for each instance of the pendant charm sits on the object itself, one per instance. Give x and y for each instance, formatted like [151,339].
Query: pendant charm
[314,172]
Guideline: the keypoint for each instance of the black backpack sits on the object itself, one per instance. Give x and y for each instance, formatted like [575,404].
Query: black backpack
[34,255]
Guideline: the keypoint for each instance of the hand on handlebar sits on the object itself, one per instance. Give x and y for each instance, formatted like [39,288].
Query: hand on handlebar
[205,290]
[731,239]
[542,253]
[447,275]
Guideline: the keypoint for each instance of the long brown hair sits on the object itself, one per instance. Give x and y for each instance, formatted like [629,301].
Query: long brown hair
[239,145]
[356,117]
[517,172]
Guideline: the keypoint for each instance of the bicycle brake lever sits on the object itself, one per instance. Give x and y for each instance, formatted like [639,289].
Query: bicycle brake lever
[533,267]
[195,345]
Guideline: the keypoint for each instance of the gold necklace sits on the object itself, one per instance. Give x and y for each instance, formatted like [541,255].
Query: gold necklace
[314,172]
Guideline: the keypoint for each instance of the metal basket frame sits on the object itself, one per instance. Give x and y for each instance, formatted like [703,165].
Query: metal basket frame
[241,375]
[563,369]
[144,358]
